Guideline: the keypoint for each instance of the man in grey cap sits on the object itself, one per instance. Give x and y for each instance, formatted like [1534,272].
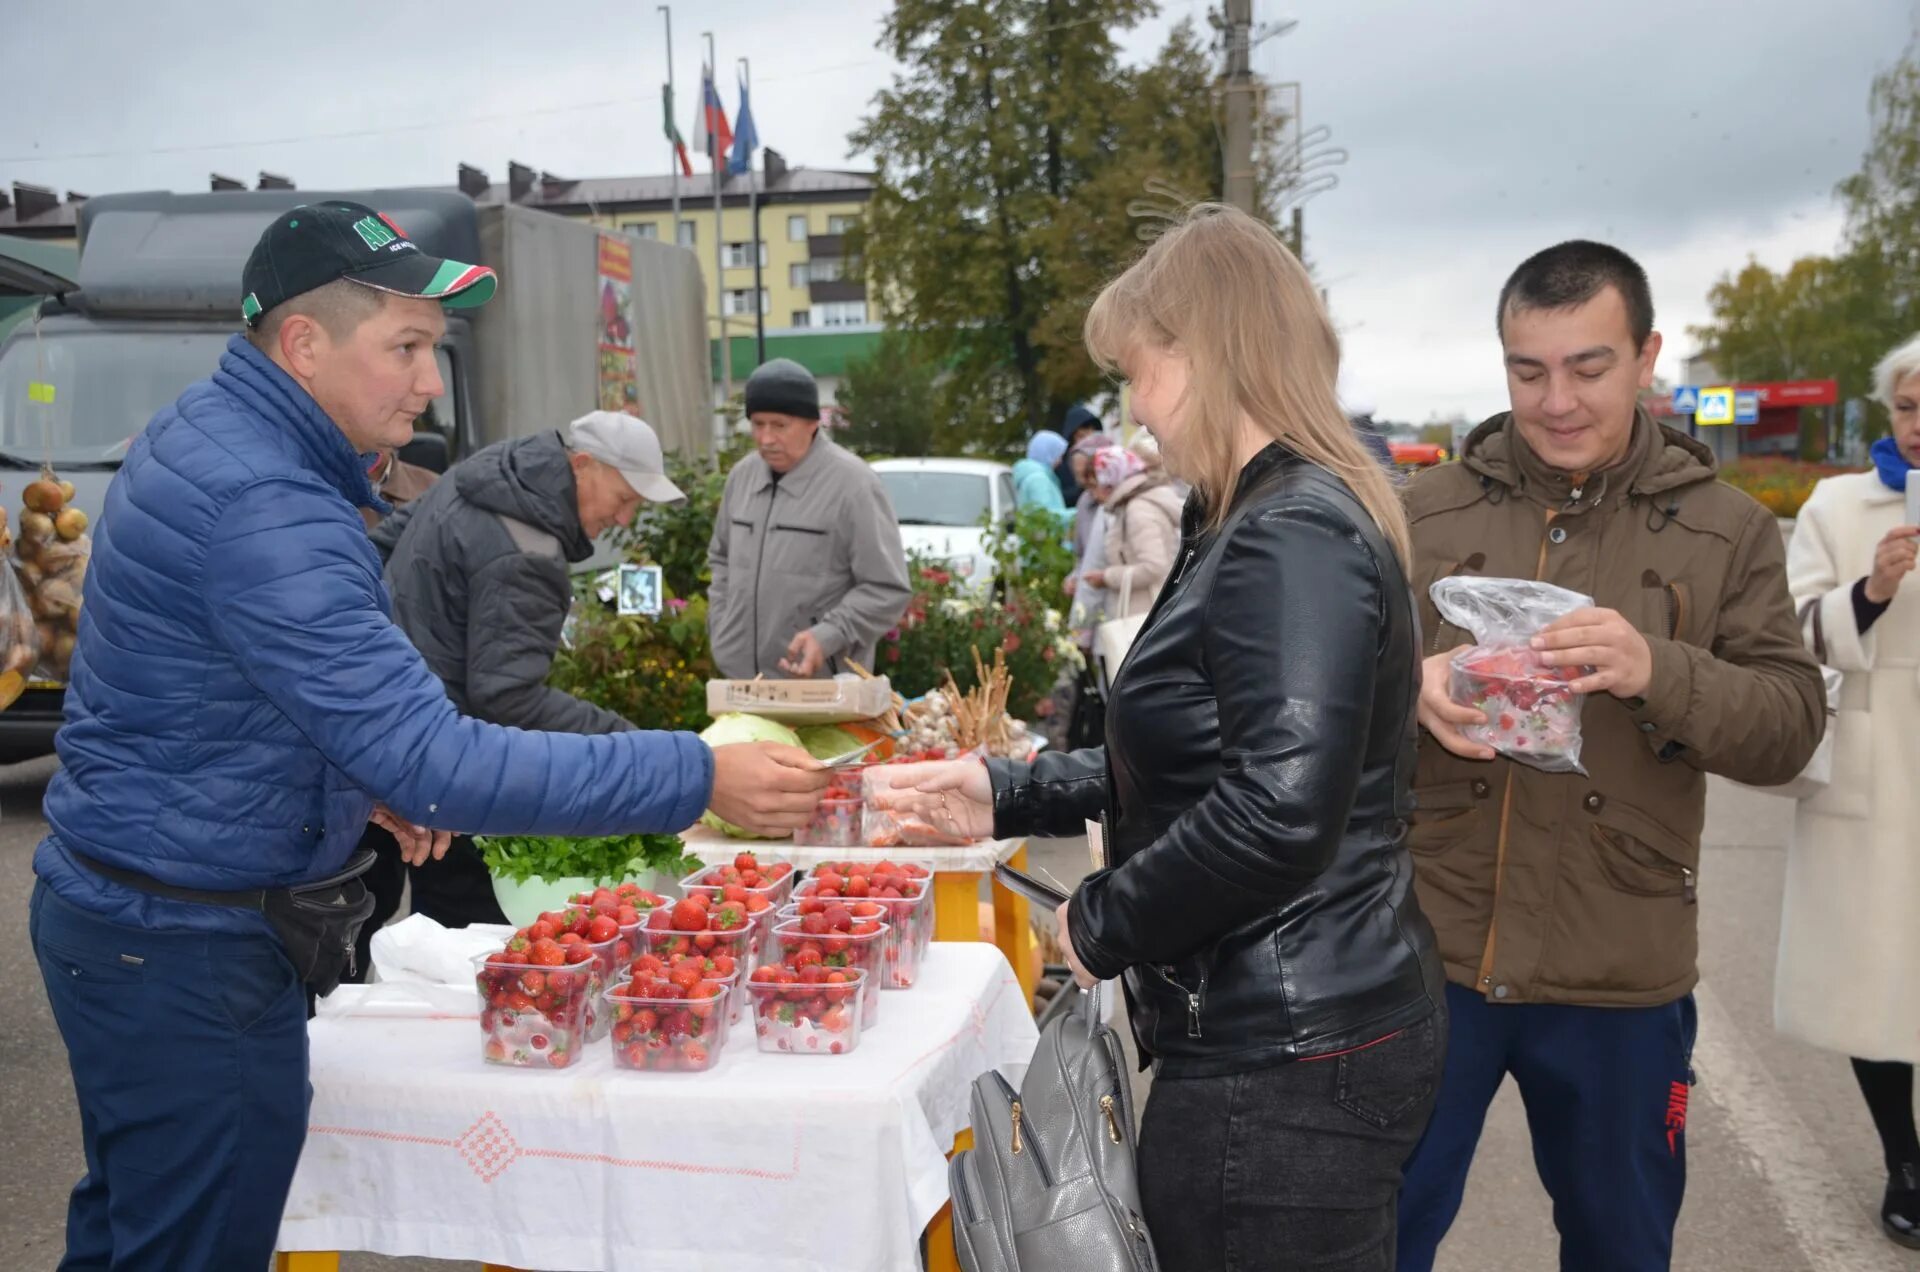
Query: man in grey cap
[807,565]
[478,569]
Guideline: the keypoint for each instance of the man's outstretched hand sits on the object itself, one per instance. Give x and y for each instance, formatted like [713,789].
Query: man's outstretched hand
[769,789]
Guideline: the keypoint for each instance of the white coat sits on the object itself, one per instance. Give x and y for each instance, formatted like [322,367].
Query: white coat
[1849,970]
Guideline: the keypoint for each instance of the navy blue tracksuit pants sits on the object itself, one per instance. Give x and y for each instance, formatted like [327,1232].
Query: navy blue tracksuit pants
[189,1059]
[1606,1096]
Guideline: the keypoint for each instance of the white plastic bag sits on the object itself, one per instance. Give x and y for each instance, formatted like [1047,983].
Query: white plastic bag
[1532,714]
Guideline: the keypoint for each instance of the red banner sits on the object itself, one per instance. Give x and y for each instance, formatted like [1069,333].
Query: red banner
[1779,393]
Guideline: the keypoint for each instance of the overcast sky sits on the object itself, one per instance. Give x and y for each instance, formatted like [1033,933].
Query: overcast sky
[1689,132]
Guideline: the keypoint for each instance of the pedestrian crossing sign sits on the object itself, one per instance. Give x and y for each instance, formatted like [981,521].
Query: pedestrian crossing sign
[1715,406]
[1686,400]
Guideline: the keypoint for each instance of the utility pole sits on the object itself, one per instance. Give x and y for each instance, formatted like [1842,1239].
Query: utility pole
[673,153]
[719,247]
[1237,177]
[753,217]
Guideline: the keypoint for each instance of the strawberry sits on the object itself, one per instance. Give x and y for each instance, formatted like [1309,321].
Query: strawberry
[545,952]
[746,861]
[602,929]
[689,915]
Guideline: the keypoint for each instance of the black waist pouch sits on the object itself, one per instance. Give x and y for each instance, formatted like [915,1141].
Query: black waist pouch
[316,922]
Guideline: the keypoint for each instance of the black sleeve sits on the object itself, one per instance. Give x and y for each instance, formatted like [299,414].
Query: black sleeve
[1865,612]
[1055,795]
[1292,638]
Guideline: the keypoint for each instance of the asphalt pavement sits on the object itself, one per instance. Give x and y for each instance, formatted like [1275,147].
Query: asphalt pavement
[1784,1167]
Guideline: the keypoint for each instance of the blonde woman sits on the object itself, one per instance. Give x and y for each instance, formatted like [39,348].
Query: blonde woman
[1849,942]
[1258,894]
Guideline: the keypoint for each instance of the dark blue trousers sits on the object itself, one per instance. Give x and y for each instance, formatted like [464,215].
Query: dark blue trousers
[1606,1095]
[189,1059]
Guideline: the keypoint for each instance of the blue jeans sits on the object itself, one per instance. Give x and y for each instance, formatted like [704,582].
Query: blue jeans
[1606,1094]
[189,1059]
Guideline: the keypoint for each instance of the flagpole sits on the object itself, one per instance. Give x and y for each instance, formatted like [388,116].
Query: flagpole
[673,153]
[719,250]
[753,218]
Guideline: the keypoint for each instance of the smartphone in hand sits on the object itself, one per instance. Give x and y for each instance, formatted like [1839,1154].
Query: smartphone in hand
[1913,501]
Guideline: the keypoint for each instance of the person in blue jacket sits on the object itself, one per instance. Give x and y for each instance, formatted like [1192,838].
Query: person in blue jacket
[1035,484]
[240,704]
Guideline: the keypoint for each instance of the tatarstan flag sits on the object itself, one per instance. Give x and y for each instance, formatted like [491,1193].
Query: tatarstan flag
[673,130]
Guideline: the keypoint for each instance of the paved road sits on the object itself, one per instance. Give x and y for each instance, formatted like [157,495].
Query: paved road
[1784,1162]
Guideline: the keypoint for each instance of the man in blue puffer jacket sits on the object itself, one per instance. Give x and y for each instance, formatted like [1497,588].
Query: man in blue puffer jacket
[239,700]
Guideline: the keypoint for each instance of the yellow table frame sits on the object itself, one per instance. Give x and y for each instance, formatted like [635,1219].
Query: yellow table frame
[956,917]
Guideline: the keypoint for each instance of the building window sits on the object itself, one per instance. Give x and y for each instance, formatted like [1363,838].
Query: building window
[646,230]
[740,301]
[826,269]
[740,255]
[797,274]
[796,229]
[689,233]
[841,224]
[839,313]
[802,318]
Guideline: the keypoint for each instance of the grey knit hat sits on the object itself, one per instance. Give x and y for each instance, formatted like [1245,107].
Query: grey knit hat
[784,387]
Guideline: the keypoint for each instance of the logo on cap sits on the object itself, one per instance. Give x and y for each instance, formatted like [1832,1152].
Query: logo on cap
[374,234]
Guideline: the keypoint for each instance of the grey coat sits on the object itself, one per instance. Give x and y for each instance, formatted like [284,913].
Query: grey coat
[478,571]
[817,551]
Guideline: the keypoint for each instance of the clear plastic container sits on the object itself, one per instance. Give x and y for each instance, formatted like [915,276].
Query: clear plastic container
[668,943]
[909,928]
[534,1016]
[777,878]
[837,951]
[837,823]
[824,1018]
[910,915]
[727,970]
[663,1034]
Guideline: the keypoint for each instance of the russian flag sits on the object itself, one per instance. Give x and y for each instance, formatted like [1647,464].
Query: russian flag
[711,135]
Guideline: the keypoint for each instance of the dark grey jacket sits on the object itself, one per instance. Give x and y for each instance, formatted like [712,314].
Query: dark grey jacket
[478,571]
[819,551]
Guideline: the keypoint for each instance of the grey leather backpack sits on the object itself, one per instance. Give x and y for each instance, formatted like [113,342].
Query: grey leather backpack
[1049,1185]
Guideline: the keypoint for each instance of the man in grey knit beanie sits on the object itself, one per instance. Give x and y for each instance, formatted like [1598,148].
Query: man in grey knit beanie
[806,559]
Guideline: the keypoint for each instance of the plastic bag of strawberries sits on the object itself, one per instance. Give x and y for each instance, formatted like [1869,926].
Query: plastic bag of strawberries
[1533,715]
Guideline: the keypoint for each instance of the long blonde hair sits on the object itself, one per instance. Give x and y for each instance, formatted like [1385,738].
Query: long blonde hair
[1222,289]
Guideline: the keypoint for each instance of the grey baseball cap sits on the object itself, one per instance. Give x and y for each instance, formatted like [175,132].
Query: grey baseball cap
[630,445]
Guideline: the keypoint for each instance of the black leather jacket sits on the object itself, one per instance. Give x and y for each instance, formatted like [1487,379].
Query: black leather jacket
[1258,892]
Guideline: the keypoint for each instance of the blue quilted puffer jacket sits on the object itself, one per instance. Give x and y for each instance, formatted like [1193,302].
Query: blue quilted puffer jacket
[240,697]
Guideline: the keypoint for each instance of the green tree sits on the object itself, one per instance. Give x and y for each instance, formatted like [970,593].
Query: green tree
[892,400]
[1009,150]
[1835,316]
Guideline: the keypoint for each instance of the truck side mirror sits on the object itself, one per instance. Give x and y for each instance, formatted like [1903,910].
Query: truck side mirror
[426,450]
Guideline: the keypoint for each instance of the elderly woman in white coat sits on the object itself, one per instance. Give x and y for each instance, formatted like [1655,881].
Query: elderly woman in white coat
[1849,972]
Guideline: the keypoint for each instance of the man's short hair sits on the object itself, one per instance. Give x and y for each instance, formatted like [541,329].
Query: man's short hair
[339,306]
[1573,273]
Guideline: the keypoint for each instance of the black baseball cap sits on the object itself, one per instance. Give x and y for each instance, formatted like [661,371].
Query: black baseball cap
[316,243]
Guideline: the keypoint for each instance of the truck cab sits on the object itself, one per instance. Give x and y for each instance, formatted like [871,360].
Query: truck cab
[156,300]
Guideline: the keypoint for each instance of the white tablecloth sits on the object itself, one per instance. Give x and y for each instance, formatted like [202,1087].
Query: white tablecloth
[975,858]
[775,1163]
